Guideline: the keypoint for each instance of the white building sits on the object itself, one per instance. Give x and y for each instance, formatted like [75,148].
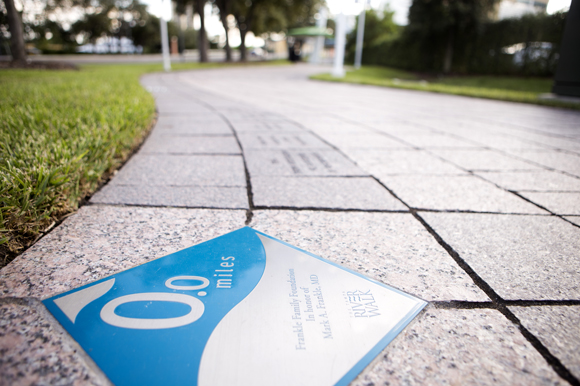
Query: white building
[517,8]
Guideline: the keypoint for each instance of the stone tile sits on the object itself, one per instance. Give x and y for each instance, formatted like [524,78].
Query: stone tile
[271,126]
[275,140]
[99,241]
[300,163]
[520,257]
[35,350]
[180,107]
[574,219]
[536,181]
[165,144]
[502,142]
[477,159]
[182,170]
[559,203]
[392,248]
[179,196]
[400,162]
[553,159]
[558,328]
[187,127]
[326,192]
[459,347]
[436,141]
[323,129]
[465,192]
[364,141]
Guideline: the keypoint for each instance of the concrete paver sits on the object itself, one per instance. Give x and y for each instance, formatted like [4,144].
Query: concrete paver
[540,181]
[324,162]
[392,248]
[165,144]
[327,192]
[453,193]
[520,257]
[477,160]
[460,347]
[563,203]
[558,327]
[35,350]
[316,165]
[401,162]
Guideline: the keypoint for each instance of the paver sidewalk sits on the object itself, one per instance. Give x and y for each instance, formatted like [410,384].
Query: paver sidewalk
[472,205]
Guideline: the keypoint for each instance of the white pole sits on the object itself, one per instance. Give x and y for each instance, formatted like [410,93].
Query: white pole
[359,37]
[319,40]
[165,44]
[339,43]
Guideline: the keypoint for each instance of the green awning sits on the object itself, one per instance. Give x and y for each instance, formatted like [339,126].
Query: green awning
[311,31]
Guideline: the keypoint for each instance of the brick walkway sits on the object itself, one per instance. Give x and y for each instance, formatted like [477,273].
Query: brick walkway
[472,205]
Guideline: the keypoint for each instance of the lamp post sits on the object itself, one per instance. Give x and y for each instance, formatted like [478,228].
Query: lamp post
[360,36]
[339,43]
[164,43]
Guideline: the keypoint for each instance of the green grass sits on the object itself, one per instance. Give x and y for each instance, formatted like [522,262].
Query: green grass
[513,89]
[61,133]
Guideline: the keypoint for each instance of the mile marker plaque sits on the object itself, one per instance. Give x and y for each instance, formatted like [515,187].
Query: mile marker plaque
[241,309]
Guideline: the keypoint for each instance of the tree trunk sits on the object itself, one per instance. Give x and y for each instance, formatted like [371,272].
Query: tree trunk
[200,4]
[244,25]
[16,33]
[243,51]
[227,47]
[448,60]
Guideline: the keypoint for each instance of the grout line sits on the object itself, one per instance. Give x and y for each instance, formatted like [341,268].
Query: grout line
[163,206]
[460,304]
[533,303]
[326,209]
[552,360]
[482,284]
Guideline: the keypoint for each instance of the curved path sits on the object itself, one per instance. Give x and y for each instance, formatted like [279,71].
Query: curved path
[470,204]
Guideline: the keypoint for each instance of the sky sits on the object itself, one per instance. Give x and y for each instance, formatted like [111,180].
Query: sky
[349,7]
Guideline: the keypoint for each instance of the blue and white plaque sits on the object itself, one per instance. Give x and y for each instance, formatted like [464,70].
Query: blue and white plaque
[241,309]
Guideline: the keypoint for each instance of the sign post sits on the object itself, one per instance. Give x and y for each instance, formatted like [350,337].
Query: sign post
[339,45]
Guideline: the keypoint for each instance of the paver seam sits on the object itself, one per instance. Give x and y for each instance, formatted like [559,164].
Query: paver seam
[250,210]
[500,304]
[541,207]
[470,172]
[207,207]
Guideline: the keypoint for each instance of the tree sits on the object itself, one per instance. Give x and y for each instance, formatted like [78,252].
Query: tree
[198,7]
[435,25]
[17,46]
[260,16]
[224,8]
[379,28]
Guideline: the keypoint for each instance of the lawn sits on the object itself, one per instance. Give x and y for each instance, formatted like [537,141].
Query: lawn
[61,134]
[513,89]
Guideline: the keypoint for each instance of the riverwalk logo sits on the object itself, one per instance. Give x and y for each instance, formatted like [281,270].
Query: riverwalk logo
[362,303]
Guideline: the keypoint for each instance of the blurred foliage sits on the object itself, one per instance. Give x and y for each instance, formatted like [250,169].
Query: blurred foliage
[509,47]
[379,28]
[260,16]
[99,18]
